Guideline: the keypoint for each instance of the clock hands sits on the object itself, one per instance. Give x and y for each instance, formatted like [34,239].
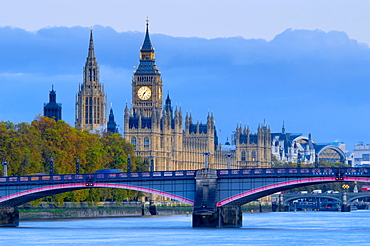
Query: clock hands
[144,93]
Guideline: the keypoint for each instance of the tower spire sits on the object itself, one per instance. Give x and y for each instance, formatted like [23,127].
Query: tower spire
[91,106]
[147,45]
[111,125]
[91,53]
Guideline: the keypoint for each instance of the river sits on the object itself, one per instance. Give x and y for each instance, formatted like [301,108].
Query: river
[293,228]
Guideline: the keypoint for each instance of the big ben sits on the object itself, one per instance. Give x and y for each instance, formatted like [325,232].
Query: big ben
[143,122]
[156,128]
[146,82]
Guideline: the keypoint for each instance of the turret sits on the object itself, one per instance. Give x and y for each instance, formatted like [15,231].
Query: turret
[187,123]
[111,125]
[53,109]
[52,96]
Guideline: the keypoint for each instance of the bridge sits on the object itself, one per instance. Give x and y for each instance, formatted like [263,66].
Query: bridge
[216,195]
[286,200]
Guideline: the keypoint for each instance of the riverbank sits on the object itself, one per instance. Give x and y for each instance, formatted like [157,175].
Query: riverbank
[110,209]
[100,210]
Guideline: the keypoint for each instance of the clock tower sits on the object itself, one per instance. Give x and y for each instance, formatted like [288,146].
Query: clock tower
[143,122]
[146,82]
[156,130]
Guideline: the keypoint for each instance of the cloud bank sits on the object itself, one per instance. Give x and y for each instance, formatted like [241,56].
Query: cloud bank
[315,81]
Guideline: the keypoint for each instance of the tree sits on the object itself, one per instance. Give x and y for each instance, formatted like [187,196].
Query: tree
[29,147]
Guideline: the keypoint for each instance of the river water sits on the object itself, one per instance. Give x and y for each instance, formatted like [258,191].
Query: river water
[290,228]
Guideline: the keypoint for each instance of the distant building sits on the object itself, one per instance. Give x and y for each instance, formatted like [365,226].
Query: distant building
[295,147]
[361,154]
[111,125]
[91,106]
[53,109]
[158,134]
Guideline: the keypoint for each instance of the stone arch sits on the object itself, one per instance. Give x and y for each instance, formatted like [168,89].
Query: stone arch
[288,200]
[133,141]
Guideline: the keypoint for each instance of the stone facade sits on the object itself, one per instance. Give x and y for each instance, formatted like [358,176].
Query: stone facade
[158,133]
[91,106]
[297,148]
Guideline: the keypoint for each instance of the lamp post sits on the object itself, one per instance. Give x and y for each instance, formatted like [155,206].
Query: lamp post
[77,166]
[151,167]
[206,154]
[51,166]
[299,160]
[5,165]
[228,160]
[129,163]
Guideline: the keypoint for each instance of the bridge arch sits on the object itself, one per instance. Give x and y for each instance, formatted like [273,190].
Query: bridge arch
[360,195]
[22,197]
[253,194]
[288,200]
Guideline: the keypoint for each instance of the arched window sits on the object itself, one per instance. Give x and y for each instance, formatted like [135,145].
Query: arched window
[146,142]
[243,156]
[133,141]
[254,156]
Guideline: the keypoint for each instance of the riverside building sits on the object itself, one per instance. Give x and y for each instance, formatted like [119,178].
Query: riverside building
[159,135]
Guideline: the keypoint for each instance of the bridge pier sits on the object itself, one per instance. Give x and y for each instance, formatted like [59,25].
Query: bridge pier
[152,208]
[345,206]
[9,217]
[205,212]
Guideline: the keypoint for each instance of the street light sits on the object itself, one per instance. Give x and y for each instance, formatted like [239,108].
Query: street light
[228,160]
[128,163]
[5,165]
[151,167]
[345,187]
[51,166]
[77,166]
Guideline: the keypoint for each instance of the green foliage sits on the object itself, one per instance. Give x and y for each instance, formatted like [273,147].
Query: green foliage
[29,147]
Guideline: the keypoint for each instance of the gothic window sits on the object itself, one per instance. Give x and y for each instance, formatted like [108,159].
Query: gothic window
[133,141]
[243,156]
[254,156]
[90,110]
[146,142]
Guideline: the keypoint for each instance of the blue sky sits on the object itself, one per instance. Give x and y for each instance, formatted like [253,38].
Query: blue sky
[303,62]
[194,18]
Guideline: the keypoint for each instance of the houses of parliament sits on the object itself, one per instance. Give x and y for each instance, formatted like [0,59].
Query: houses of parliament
[161,133]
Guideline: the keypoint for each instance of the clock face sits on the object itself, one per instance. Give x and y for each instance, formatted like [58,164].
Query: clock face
[144,93]
[159,93]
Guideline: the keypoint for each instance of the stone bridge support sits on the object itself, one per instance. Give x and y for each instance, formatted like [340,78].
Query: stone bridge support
[9,217]
[206,213]
[345,206]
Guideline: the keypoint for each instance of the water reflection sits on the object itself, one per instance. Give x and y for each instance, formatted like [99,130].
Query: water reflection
[303,228]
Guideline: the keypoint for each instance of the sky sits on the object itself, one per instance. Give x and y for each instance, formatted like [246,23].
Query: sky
[304,63]
[194,18]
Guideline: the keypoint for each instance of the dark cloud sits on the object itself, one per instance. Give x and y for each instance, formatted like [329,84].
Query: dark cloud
[315,81]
